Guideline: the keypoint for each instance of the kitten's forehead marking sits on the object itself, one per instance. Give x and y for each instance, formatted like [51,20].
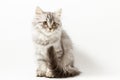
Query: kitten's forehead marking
[50,17]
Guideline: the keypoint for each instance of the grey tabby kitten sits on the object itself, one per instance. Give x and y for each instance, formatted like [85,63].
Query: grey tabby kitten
[54,49]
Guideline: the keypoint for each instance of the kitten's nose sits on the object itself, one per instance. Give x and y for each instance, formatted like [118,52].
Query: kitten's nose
[50,28]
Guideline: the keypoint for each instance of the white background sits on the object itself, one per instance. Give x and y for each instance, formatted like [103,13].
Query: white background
[93,25]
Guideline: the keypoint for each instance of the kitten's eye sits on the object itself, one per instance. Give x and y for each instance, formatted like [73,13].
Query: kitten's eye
[55,24]
[45,23]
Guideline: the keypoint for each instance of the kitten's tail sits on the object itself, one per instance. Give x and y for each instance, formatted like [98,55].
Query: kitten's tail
[58,71]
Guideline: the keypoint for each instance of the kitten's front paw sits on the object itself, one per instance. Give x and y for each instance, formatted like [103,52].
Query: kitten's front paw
[49,74]
[40,73]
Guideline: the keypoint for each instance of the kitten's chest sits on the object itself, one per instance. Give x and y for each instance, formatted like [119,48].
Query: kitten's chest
[56,43]
[42,42]
[43,49]
[41,39]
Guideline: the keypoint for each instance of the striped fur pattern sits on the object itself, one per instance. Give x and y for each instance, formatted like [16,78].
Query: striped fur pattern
[54,52]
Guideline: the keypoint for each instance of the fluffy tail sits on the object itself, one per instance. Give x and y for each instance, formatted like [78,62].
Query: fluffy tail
[58,71]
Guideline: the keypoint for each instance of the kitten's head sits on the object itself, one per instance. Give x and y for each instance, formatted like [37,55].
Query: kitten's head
[47,22]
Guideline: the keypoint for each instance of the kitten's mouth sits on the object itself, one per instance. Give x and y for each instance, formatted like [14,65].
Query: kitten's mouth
[50,30]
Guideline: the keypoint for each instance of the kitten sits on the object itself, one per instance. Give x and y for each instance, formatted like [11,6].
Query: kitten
[53,46]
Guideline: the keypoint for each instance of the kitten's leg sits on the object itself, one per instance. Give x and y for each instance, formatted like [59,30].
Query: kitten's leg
[58,54]
[49,73]
[41,69]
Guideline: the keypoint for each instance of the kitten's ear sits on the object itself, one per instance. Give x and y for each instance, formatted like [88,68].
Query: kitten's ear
[38,11]
[58,13]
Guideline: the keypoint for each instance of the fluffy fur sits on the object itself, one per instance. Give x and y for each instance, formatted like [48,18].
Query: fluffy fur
[53,46]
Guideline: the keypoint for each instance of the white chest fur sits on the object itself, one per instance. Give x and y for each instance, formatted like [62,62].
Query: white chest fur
[42,42]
